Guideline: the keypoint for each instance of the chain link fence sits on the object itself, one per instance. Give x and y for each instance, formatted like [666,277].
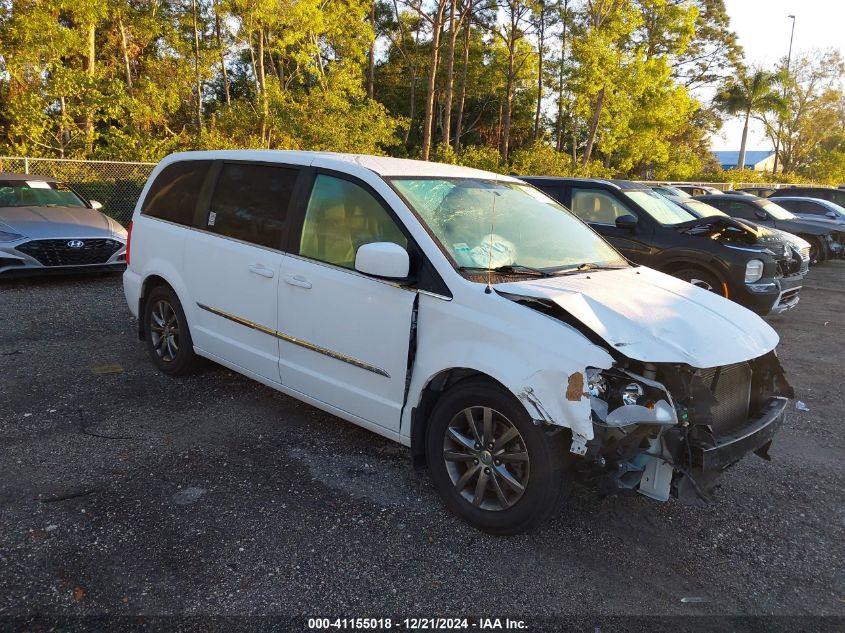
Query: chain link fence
[116,185]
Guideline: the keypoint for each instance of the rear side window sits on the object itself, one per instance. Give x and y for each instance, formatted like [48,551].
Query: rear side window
[250,203]
[801,206]
[173,195]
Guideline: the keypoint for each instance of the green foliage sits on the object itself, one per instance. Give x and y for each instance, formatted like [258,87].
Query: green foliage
[478,156]
[129,80]
[814,113]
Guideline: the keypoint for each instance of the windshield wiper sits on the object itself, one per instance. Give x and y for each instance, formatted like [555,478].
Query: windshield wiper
[580,268]
[510,269]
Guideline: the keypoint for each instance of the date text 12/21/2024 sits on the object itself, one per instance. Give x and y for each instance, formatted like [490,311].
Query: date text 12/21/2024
[418,624]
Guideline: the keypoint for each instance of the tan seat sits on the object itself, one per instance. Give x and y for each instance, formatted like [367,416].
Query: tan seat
[329,239]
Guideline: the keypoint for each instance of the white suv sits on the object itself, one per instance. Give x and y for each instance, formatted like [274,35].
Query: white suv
[462,313]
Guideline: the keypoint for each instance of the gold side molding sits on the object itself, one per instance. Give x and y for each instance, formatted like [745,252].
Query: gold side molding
[296,341]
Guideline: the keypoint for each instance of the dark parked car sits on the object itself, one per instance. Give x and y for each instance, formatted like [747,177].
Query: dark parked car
[719,254]
[800,247]
[812,208]
[822,193]
[670,190]
[826,238]
[763,192]
[47,227]
[695,190]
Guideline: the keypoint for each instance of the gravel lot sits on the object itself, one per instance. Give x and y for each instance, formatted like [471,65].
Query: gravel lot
[123,491]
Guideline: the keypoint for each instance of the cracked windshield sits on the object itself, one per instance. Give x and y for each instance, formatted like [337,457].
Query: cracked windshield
[489,224]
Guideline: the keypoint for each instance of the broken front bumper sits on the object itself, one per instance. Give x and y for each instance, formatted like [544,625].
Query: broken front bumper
[773,296]
[756,434]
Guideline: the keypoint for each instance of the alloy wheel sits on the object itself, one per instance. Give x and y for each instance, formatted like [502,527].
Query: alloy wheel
[164,330]
[486,458]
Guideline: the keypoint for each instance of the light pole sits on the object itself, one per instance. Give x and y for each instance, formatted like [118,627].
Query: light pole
[786,77]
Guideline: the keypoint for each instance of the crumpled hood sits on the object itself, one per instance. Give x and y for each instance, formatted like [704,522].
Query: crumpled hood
[730,230]
[652,317]
[721,222]
[56,222]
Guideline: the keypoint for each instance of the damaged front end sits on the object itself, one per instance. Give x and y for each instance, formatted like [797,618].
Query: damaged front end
[724,229]
[670,429]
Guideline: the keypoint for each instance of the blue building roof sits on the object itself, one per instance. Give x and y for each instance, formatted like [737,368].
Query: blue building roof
[728,160]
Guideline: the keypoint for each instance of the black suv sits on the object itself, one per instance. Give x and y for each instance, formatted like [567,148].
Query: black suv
[752,266]
[826,237]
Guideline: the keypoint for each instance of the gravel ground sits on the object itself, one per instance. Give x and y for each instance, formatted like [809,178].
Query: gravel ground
[123,491]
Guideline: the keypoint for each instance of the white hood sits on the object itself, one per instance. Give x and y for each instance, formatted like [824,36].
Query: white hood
[652,317]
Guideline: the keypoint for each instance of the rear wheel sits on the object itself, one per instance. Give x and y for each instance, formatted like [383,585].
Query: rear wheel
[702,279]
[168,337]
[493,467]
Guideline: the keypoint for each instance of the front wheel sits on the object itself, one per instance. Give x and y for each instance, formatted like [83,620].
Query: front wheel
[817,250]
[493,467]
[702,279]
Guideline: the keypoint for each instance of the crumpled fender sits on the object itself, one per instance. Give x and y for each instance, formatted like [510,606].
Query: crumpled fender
[536,357]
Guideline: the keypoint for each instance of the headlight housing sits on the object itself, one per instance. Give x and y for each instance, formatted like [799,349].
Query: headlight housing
[753,271]
[6,236]
[620,398]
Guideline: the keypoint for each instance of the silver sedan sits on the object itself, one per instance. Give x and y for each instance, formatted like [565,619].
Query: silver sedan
[46,227]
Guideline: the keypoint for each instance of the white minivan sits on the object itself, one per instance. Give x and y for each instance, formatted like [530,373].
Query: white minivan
[462,313]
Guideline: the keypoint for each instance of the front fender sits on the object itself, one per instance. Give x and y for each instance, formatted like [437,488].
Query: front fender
[539,359]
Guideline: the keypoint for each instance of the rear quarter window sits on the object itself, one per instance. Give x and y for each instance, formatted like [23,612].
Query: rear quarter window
[174,193]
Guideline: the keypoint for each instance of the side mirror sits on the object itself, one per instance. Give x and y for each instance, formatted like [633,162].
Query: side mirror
[760,214]
[831,214]
[96,205]
[626,222]
[383,259]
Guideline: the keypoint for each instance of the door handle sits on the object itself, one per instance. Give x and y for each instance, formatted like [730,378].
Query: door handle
[298,280]
[260,269]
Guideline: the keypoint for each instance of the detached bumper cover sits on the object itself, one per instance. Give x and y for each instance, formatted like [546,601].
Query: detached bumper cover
[731,447]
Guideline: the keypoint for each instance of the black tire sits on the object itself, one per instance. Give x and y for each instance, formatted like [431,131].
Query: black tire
[545,480]
[178,357]
[702,279]
[818,253]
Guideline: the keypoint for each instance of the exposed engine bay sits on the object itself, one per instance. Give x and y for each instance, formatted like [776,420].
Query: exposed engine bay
[726,229]
[733,232]
[671,429]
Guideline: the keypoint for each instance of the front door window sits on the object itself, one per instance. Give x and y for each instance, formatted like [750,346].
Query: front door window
[597,207]
[341,217]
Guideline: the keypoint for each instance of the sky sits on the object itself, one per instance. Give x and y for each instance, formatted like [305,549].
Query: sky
[763,30]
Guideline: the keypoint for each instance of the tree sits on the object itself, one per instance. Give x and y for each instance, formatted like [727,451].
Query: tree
[712,52]
[813,109]
[748,94]
[544,18]
[435,20]
[600,54]
[512,33]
